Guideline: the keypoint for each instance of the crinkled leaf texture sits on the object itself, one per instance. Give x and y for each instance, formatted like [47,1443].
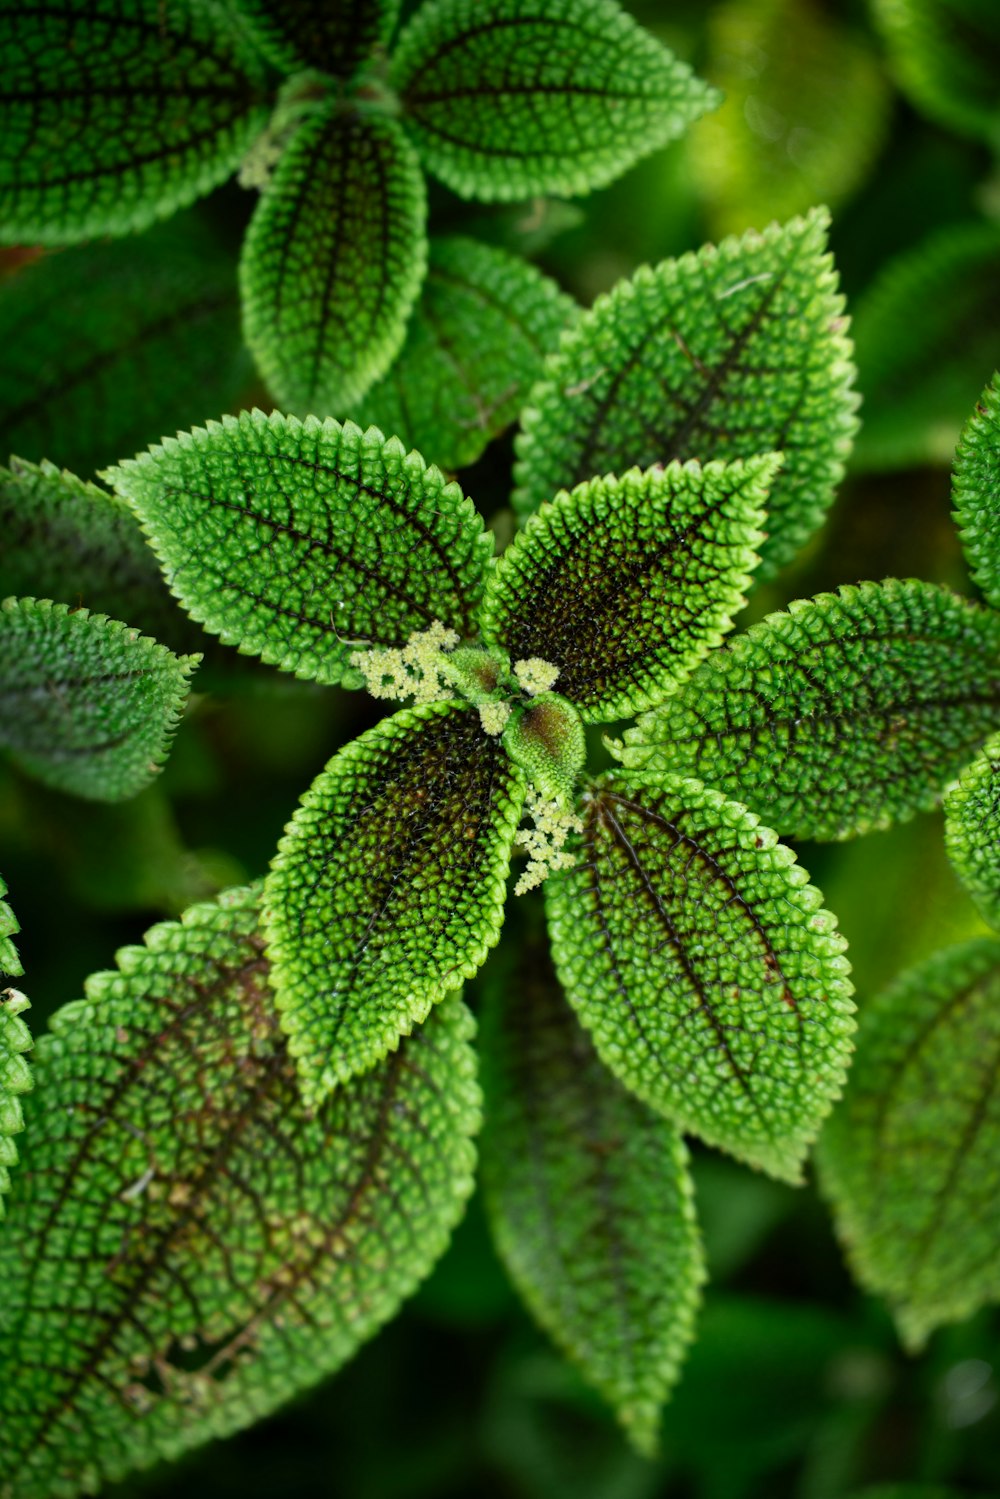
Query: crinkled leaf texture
[589,1197]
[508,98]
[474,346]
[851,711]
[334,259]
[15,1040]
[911,1158]
[188,1246]
[10,963]
[700,959]
[976,491]
[87,705]
[301,541]
[730,352]
[118,112]
[947,58]
[334,35]
[108,346]
[626,584]
[388,887]
[972,830]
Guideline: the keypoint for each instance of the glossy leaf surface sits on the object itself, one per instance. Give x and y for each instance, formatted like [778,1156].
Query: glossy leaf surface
[334,35]
[976,491]
[700,959]
[626,584]
[507,98]
[849,712]
[388,887]
[972,830]
[188,1246]
[723,354]
[301,541]
[946,55]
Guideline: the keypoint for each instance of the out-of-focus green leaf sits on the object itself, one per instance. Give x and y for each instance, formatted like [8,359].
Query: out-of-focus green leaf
[723,354]
[334,35]
[846,713]
[700,959]
[972,830]
[506,98]
[976,491]
[946,55]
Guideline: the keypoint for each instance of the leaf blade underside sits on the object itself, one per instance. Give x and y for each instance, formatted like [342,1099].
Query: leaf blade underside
[976,492]
[337,38]
[704,967]
[972,830]
[228,1246]
[846,713]
[300,541]
[388,887]
[727,353]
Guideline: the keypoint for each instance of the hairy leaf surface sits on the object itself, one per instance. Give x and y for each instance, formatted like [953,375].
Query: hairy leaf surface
[849,712]
[114,113]
[733,351]
[188,1245]
[108,346]
[911,1159]
[87,705]
[474,346]
[976,491]
[301,541]
[334,35]
[947,58]
[506,98]
[334,259]
[699,957]
[389,885]
[625,584]
[920,374]
[589,1198]
[972,830]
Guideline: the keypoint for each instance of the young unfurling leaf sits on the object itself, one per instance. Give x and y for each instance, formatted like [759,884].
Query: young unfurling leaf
[188,1246]
[334,35]
[507,98]
[849,712]
[589,1197]
[700,959]
[910,1159]
[388,887]
[976,491]
[15,1040]
[972,830]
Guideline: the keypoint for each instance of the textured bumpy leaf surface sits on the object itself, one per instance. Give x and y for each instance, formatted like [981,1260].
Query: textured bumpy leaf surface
[911,1158]
[589,1198]
[625,584]
[976,491]
[389,885]
[506,98]
[336,37]
[849,712]
[474,346]
[972,830]
[10,963]
[734,351]
[87,705]
[109,346]
[700,959]
[15,1040]
[301,541]
[187,1245]
[947,57]
[920,375]
[333,260]
[117,112]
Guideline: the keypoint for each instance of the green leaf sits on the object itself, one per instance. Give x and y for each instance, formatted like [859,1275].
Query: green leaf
[388,887]
[926,333]
[118,112]
[699,957]
[972,830]
[589,1198]
[336,37]
[849,712]
[910,1159]
[15,1074]
[806,106]
[946,56]
[87,705]
[109,346]
[334,259]
[10,963]
[507,98]
[473,348]
[212,1247]
[976,491]
[626,584]
[300,541]
[731,352]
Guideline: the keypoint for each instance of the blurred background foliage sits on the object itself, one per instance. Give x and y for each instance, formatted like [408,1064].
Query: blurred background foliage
[797,1385]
